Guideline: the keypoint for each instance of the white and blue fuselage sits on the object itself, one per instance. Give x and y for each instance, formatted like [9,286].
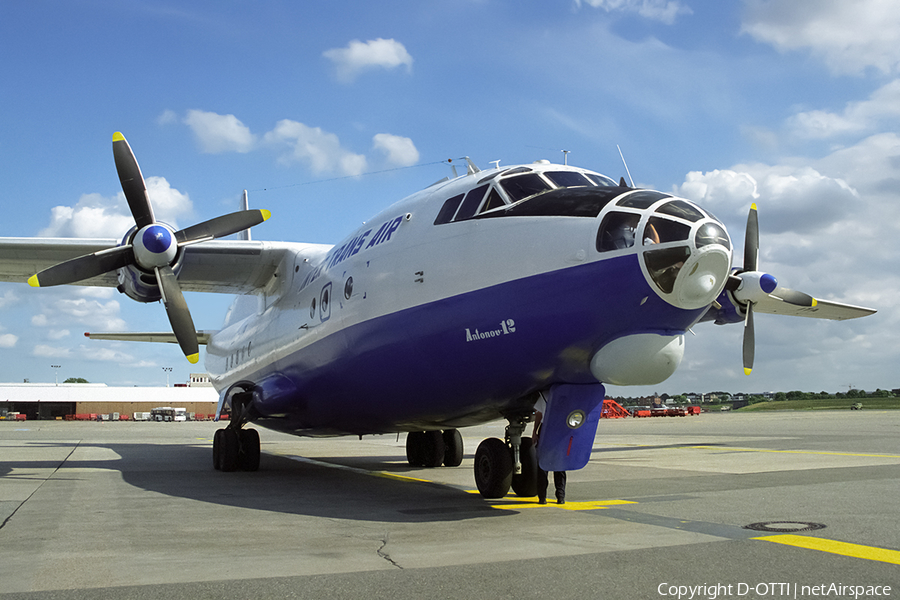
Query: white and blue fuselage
[455,305]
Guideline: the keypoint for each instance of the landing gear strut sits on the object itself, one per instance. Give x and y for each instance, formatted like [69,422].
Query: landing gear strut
[501,464]
[235,448]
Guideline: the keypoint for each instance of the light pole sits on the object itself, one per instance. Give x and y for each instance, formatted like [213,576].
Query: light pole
[167,370]
[56,368]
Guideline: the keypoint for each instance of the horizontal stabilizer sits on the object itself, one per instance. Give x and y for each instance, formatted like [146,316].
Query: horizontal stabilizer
[159,337]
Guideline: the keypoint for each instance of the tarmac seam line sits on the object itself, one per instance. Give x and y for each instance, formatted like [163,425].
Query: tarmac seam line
[31,495]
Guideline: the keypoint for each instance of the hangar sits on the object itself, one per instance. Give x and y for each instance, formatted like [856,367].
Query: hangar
[50,401]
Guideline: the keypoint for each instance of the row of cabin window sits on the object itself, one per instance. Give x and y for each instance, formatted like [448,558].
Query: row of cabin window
[466,206]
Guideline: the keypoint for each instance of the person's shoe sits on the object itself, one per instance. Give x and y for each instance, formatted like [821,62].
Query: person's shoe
[560,500]
[542,501]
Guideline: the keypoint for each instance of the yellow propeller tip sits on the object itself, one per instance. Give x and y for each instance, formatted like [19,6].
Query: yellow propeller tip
[747,371]
[266,214]
[33,281]
[814,302]
[753,206]
[193,358]
[118,137]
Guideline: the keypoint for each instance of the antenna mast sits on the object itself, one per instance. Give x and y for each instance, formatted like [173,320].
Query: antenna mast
[626,166]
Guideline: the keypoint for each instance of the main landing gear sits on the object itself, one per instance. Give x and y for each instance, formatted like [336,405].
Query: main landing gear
[234,448]
[434,448]
[512,462]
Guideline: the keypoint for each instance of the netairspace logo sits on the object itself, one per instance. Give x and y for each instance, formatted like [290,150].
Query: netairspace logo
[724,591]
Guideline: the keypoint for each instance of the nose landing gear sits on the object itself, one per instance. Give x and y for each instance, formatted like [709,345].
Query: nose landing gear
[510,463]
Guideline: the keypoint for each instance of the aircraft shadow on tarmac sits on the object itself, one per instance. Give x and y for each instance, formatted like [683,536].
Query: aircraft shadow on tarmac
[281,485]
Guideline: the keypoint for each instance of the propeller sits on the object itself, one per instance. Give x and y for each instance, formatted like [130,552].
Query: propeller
[153,248]
[750,286]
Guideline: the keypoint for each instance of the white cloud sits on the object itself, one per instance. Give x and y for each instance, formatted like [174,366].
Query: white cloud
[95,216]
[318,149]
[359,56]
[167,118]
[9,298]
[857,117]
[665,11]
[219,133]
[45,351]
[58,334]
[848,36]
[792,198]
[8,340]
[400,151]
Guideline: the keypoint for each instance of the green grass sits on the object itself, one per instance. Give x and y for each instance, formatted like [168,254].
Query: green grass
[825,404]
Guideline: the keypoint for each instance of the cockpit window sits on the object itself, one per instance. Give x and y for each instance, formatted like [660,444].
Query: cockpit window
[567,178]
[617,231]
[642,199]
[660,231]
[522,186]
[710,233]
[471,203]
[664,264]
[682,210]
[601,180]
[448,210]
[563,202]
[493,201]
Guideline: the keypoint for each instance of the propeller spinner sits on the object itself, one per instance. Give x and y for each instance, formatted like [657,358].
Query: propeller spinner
[154,248]
[750,286]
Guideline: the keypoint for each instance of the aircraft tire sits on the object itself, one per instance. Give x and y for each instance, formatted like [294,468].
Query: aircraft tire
[453,448]
[432,449]
[493,468]
[217,449]
[229,450]
[248,459]
[414,444]
[525,483]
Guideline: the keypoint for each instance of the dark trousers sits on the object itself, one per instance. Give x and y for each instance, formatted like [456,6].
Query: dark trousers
[559,481]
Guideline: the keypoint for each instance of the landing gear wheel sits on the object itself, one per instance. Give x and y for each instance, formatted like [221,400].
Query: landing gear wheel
[525,483]
[414,444]
[453,448]
[217,449]
[229,449]
[493,468]
[433,449]
[248,459]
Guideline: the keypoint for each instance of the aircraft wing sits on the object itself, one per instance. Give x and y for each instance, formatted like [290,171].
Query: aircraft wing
[20,258]
[159,337]
[220,266]
[822,309]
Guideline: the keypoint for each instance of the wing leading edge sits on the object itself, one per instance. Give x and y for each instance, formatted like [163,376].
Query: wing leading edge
[217,266]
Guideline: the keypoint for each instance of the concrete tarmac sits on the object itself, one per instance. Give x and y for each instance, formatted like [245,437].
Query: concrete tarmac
[135,510]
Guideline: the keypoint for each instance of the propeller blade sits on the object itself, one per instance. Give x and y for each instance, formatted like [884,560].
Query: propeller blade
[132,182]
[84,267]
[749,340]
[794,297]
[751,241]
[221,226]
[179,315]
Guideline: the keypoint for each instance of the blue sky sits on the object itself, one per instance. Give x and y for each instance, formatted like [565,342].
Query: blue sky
[328,112]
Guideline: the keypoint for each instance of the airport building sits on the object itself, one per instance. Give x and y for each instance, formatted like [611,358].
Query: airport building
[66,400]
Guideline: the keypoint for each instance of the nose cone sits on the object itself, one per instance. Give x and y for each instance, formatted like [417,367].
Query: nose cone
[702,278]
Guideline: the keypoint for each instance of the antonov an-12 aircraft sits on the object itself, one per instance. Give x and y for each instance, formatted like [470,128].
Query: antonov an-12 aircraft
[461,304]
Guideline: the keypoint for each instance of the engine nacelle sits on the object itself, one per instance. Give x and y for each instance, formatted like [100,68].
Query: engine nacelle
[139,284]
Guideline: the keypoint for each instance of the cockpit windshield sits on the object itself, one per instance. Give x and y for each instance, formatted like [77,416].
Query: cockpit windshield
[526,191]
